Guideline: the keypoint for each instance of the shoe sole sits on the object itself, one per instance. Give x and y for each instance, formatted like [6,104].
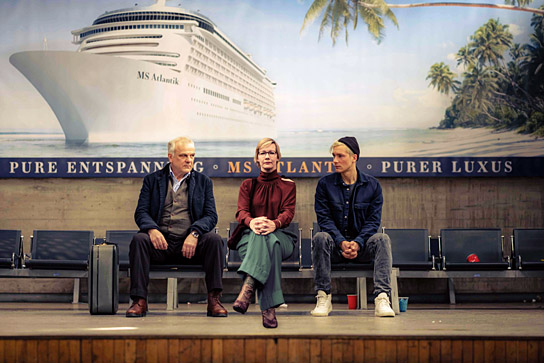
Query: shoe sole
[320,314]
[217,315]
[239,310]
[388,315]
[135,315]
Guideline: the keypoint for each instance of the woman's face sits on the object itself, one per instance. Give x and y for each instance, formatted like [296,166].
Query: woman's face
[268,158]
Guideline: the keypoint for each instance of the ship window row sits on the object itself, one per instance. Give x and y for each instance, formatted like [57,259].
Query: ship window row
[164,64]
[199,101]
[236,101]
[237,65]
[220,55]
[127,27]
[143,53]
[153,15]
[209,115]
[257,88]
[126,37]
[226,80]
[226,85]
[216,94]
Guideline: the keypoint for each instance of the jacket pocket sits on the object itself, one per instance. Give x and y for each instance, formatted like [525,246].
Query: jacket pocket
[360,210]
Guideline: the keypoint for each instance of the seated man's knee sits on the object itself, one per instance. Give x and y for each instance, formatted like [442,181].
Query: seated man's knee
[138,239]
[381,238]
[321,240]
[213,239]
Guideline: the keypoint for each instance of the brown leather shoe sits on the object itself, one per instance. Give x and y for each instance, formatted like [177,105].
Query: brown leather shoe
[244,299]
[215,308]
[269,318]
[138,309]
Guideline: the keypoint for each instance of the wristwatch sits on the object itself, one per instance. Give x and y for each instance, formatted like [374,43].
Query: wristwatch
[195,234]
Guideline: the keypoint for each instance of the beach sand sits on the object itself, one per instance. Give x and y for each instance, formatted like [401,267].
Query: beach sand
[467,142]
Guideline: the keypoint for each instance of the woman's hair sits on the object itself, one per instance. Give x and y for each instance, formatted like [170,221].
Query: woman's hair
[263,143]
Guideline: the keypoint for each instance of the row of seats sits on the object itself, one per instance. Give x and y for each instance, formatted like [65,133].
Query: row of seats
[412,250]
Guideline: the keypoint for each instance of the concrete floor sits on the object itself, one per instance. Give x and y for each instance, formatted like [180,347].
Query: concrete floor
[462,320]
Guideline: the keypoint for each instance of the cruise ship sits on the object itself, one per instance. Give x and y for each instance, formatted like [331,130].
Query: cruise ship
[148,74]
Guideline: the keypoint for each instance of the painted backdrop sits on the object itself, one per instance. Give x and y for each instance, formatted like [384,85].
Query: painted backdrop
[448,92]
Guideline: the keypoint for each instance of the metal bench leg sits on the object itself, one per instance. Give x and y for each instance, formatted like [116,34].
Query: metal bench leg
[395,290]
[451,289]
[361,293]
[172,294]
[75,293]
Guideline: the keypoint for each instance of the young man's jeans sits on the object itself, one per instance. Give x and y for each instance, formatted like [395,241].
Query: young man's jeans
[377,249]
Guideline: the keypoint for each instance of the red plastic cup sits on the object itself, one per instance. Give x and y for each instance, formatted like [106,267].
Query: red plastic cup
[473,258]
[352,302]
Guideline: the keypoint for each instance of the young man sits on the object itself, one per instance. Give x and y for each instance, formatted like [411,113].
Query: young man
[176,216]
[348,205]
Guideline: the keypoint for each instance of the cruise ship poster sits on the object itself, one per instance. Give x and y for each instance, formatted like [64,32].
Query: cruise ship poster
[118,79]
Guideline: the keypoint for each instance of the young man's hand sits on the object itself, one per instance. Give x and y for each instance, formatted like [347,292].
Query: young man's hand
[349,249]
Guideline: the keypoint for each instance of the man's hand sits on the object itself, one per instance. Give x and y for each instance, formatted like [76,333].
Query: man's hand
[189,246]
[349,249]
[157,239]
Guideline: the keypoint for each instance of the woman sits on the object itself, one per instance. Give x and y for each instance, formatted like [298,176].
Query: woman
[266,205]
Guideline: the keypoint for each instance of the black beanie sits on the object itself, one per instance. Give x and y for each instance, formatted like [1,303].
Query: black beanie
[352,143]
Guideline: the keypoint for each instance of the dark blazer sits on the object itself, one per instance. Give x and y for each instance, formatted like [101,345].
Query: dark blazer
[364,212]
[153,194]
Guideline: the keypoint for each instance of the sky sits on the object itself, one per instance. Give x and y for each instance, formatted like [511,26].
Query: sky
[358,85]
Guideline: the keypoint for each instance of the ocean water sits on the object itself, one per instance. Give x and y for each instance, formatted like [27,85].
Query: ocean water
[303,143]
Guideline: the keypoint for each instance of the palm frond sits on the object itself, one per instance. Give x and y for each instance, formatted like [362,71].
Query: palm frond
[313,12]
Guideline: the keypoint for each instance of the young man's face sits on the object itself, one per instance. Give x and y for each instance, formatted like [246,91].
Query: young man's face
[183,159]
[342,160]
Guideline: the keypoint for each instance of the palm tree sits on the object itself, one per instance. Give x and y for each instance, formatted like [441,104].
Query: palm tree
[339,14]
[535,57]
[442,78]
[478,94]
[490,42]
[465,57]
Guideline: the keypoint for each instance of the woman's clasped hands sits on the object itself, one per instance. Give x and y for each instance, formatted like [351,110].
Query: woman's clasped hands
[262,226]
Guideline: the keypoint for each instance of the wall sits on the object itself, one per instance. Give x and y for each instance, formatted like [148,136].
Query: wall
[433,203]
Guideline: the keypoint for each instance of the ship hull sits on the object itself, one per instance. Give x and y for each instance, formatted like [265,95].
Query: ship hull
[99,98]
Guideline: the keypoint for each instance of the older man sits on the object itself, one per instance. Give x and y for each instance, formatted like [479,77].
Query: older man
[348,205]
[176,215]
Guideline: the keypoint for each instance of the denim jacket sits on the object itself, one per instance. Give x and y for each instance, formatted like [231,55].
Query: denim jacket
[363,210]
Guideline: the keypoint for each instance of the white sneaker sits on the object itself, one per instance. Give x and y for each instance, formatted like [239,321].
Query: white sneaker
[324,305]
[382,306]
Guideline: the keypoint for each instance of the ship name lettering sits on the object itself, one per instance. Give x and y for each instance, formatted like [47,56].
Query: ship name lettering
[302,168]
[235,167]
[143,75]
[34,167]
[162,79]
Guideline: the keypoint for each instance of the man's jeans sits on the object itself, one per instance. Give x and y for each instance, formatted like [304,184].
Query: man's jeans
[377,249]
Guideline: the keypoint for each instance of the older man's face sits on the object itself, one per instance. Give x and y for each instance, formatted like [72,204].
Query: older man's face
[183,159]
